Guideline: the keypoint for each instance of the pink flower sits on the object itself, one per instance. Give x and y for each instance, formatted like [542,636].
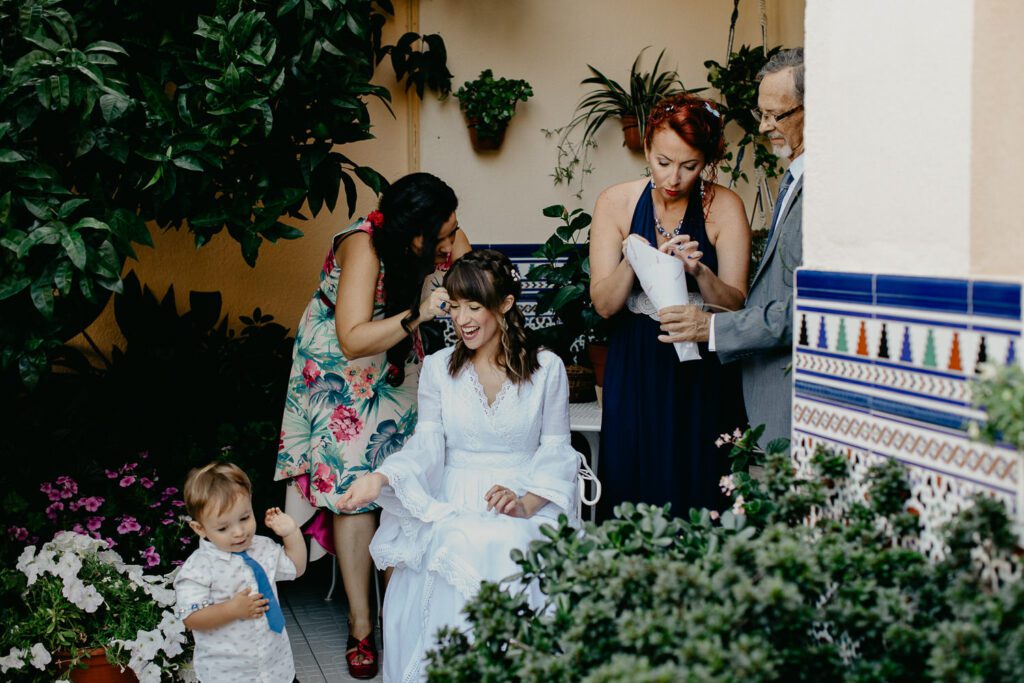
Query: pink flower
[167,521]
[94,523]
[169,491]
[92,503]
[111,543]
[68,486]
[737,506]
[345,424]
[727,484]
[146,482]
[111,474]
[78,529]
[369,374]
[51,493]
[350,373]
[310,373]
[323,478]
[127,525]
[719,443]
[128,467]
[737,433]
[151,556]
[328,262]
[51,511]
[127,481]
[362,391]
[714,515]
[18,533]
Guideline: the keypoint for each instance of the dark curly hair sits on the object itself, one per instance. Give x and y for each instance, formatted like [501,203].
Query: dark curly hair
[699,123]
[487,277]
[416,205]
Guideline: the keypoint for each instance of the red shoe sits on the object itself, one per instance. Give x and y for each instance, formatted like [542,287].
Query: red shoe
[365,649]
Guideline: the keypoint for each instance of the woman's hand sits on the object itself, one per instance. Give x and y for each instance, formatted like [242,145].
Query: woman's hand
[504,501]
[362,492]
[434,302]
[684,249]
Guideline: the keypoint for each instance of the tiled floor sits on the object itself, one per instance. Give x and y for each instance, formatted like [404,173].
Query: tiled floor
[317,628]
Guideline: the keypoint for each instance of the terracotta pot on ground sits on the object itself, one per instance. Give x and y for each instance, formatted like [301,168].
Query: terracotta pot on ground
[484,143]
[631,133]
[99,671]
[598,355]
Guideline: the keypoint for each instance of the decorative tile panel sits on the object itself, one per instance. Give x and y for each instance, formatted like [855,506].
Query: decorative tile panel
[881,369]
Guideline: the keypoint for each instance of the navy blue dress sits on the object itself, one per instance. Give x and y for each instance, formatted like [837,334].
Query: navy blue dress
[661,417]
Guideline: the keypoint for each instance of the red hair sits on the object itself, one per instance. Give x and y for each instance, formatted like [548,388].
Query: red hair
[699,123]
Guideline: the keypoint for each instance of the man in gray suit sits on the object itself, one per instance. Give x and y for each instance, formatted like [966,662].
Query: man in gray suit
[760,334]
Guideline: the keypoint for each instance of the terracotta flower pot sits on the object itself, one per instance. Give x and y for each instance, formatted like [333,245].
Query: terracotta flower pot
[598,355]
[631,133]
[484,143]
[99,670]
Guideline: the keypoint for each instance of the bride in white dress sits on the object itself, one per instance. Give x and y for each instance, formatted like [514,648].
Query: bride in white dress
[489,464]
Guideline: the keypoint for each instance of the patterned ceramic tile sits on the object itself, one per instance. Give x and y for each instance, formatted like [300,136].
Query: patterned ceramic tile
[882,366]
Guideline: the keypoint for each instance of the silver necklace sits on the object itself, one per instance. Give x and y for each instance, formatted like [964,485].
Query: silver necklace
[664,233]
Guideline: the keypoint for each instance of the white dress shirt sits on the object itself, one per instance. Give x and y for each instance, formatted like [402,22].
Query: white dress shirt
[244,650]
[796,169]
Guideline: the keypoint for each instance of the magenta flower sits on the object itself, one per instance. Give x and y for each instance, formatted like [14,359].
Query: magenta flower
[111,543]
[169,491]
[128,467]
[18,533]
[78,529]
[151,556]
[51,493]
[345,424]
[68,486]
[92,503]
[146,482]
[51,511]
[127,481]
[111,474]
[128,524]
[310,373]
[94,523]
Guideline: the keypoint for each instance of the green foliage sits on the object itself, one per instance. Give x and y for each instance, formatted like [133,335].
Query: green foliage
[772,590]
[209,115]
[423,68]
[566,271]
[73,596]
[489,103]
[999,390]
[737,82]
[609,100]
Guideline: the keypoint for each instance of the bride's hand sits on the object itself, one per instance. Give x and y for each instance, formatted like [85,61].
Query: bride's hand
[362,492]
[505,501]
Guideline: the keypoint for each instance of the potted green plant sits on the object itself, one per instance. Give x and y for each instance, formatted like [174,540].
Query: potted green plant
[488,104]
[631,104]
[566,272]
[74,603]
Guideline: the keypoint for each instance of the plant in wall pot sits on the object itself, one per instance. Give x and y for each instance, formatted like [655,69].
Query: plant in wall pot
[630,103]
[488,104]
[566,271]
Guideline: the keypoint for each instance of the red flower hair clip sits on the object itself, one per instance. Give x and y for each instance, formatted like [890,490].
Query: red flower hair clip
[375,219]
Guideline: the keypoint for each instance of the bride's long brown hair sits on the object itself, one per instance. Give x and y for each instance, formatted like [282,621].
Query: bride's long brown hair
[487,277]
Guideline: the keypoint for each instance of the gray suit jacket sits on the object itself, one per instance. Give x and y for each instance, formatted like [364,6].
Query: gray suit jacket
[761,333]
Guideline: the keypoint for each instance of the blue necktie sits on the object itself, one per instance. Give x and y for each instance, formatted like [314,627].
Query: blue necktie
[787,180]
[275,617]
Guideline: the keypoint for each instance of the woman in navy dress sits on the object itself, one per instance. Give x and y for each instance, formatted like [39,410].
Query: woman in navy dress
[661,416]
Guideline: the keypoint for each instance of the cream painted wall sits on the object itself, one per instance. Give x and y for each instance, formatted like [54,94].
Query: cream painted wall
[549,44]
[997,164]
[286,273]
[889,171]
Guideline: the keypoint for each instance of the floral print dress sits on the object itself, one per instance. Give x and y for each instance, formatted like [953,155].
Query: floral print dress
[341,418]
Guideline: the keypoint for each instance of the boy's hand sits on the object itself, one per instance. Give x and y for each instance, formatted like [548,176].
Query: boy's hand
[248,604]
[280,523]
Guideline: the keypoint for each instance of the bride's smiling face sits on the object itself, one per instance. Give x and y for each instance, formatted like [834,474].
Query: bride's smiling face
[477,326]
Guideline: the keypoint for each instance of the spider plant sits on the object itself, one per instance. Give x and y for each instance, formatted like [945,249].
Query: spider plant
[609,100]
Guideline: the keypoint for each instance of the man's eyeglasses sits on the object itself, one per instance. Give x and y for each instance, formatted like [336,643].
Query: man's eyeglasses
[761,116]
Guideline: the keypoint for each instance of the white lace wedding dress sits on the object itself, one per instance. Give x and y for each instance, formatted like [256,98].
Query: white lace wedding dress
[435,528]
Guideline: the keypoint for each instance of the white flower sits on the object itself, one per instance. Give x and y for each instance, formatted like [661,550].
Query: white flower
[27,564]
[151,674]
[40,657]
[148,643]
[737,506]
[727,484]
[13,659]
[85,597]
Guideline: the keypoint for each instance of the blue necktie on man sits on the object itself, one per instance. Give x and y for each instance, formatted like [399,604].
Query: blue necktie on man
[275,617]
[787,180]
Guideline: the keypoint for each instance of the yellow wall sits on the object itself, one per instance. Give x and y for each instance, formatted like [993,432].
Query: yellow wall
[997,160]
[501,195]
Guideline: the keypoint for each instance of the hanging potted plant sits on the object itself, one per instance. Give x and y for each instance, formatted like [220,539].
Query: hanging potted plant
[631,104]
[488,104]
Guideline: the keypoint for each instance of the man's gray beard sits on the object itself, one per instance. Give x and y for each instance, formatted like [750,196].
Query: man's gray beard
[784,152]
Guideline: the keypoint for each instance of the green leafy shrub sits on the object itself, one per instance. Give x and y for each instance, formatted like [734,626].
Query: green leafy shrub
[208,115]
[756,593]
[489,103]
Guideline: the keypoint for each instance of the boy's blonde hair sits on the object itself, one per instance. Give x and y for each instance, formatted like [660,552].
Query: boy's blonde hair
[215,487]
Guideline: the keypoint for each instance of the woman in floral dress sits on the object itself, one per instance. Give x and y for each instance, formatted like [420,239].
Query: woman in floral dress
[352,393]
